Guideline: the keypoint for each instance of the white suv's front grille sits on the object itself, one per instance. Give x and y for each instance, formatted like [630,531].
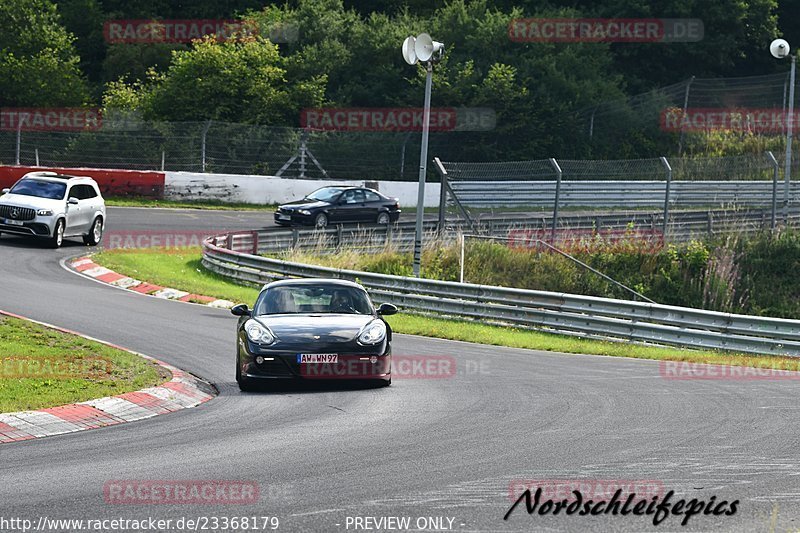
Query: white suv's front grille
[17,213]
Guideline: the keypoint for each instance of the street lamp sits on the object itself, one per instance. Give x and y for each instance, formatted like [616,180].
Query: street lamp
[426,50]
[780,49]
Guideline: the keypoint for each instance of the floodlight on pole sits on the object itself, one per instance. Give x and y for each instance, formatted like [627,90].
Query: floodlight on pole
[779,50]
[422,49]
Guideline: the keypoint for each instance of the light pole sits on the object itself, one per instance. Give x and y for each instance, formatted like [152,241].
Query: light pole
[780,49]
[424,49]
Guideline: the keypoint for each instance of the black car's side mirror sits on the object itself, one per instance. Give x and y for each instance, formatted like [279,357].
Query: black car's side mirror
[387,309]
[240,310]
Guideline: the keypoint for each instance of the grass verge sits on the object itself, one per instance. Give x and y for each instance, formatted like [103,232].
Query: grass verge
[181,269]
[186,204]
[41,367]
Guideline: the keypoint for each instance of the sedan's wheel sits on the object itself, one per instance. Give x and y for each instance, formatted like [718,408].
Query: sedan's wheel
[58,235]
[95,234]
[383,218]
[321,220]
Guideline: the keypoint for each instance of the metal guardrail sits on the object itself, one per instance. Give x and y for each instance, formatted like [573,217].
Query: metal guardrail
[628,193]
[557,312]
[520,232]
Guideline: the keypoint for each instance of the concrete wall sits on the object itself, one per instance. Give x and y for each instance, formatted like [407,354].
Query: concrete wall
[274,190]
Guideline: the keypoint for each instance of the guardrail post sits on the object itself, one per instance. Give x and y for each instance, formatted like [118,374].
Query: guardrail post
[19,140]
[710,216]
[557,199]
[295,237]
[775,172]
[666,194]
[388,240]
[255,242]
[338,235]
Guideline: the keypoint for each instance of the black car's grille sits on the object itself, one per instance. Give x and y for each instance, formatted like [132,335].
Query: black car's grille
[17,213]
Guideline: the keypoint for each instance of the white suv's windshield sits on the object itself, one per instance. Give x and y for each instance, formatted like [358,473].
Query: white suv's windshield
[40,188]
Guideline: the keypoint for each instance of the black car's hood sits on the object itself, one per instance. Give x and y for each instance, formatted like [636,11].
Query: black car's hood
[331,328]
[305,203]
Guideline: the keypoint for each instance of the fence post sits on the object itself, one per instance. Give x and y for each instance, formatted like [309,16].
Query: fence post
[559,174]
[775,172]
[203,145]
[19,140]
[442,193]
[163,158]
[666,194]
[295,237]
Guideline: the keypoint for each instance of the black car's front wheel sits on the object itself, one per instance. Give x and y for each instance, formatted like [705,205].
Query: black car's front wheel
[383,218]
[244,384]
[321,220]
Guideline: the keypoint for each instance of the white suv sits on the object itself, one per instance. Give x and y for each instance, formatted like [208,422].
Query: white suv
[53,206]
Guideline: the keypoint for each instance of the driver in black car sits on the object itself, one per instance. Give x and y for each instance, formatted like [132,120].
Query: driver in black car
[341,302]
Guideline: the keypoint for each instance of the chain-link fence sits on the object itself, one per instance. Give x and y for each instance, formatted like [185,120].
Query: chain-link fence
[230,148]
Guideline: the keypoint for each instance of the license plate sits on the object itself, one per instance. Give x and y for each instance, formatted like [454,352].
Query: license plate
[284,217]
[14,222]
[304,358]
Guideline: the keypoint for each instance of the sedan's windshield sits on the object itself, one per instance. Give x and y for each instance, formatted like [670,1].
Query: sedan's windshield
[325,194]
[316,298]
[42,189]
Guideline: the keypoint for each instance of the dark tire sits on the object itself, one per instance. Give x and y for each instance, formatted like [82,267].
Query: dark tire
[57,239]
[95,233]
[321,220]
[244,383]
[383,218]
[386,382]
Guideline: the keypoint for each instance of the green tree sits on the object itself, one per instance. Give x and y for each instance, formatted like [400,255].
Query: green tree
[38,62]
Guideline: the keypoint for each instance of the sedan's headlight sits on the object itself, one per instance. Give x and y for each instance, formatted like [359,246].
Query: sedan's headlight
[258,332]
[372,333]
[44,213]
[305,212]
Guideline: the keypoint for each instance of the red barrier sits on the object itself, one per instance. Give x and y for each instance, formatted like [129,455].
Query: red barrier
[112,182]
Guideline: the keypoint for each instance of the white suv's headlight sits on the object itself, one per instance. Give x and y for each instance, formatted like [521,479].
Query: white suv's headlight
[372,333]
[44,213]
[258,332]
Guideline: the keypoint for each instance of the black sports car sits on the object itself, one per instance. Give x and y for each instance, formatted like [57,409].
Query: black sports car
[338,204]
[304,329]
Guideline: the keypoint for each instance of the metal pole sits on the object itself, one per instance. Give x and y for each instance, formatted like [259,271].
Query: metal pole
[303,150]
[591,123]
[36,153]
[461,260]
[559,173]
[403,155]
[685,107]
[19,138]
[442,193]
[775,172]
[666,195]
[203,146]
[163,156]
[423,168]
[787,172]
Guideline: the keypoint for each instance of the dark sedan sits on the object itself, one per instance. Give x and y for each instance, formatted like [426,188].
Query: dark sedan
[305,329]
[339,204]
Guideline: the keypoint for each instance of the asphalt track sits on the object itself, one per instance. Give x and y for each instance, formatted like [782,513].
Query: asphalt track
[424,447]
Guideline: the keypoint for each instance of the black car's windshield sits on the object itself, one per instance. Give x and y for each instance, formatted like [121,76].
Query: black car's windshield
[43,189]
[325,194]
[313,298]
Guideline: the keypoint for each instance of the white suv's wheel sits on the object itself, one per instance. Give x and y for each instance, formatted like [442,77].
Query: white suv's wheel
[95,234]
[58,234]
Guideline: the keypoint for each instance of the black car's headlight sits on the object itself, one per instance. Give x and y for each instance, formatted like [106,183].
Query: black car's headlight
[305,212]
[258,332]
[372,333]
[44,213]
